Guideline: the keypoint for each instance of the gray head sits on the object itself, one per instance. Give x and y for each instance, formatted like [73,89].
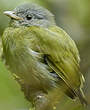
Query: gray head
[30,15]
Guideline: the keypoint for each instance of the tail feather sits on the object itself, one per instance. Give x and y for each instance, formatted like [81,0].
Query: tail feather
[82,98]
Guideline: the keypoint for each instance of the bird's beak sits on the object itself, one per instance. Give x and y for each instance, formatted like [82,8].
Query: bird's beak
[12,14]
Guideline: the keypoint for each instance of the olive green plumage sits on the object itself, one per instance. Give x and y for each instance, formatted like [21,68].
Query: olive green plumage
[42,55]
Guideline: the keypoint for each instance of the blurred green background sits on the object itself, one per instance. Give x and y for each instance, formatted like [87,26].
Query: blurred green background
[74,17]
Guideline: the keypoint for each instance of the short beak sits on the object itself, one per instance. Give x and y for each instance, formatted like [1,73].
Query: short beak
[12,14]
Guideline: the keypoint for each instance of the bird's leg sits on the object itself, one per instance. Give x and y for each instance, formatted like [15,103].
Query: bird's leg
[41,102]
[48,101]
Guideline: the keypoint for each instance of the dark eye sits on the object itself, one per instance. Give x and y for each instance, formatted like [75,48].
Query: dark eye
[29,17]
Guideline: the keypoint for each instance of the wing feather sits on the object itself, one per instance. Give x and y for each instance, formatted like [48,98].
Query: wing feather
[62,53]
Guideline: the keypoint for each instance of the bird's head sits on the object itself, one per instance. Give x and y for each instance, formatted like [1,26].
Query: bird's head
[30,15]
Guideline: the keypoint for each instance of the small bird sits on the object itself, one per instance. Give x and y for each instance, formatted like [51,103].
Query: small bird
[42,57]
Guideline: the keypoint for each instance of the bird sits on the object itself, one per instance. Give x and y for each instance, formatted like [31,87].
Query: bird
[42,57]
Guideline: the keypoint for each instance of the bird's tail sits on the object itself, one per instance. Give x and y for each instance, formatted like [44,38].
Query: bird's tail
[82,98]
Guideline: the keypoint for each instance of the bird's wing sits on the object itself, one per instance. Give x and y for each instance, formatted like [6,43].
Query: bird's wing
[1,49]
[62,54]
[1,53]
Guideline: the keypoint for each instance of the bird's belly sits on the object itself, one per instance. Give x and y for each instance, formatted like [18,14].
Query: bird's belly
[24,69]
[31,72]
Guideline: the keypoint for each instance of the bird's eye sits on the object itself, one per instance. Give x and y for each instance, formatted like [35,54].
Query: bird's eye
[29,17]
